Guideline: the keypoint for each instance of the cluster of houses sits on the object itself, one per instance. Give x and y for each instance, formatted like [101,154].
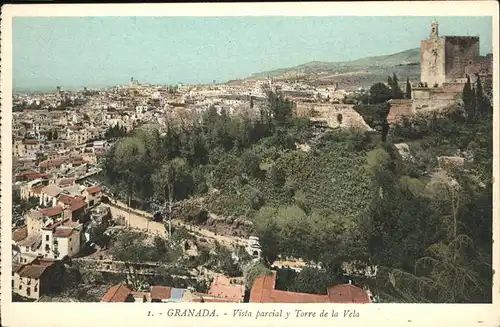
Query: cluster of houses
[223,289]
[55,229]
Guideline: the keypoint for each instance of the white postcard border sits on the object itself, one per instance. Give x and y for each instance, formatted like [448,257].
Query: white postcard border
[85,314]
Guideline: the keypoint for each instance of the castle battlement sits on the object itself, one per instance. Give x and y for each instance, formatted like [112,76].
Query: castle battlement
[446,58]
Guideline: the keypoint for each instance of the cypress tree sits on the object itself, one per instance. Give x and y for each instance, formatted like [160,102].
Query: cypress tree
[473,103]
[466,95]
[408,88]
[479,95]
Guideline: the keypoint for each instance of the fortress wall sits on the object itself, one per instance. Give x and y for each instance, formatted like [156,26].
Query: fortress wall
[454,87]
[399,109]
[442,94]
[460,51]
[329,113]
[447,92]
[420,93]
[426,107]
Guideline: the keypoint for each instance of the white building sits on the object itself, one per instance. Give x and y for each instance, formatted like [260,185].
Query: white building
[254,248]
[61,239]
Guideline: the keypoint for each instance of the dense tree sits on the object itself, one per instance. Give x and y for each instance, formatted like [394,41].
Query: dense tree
[396,92]
[467,98]
[129,164]
[348,198]
[408,89]
[379,93]
[172,182]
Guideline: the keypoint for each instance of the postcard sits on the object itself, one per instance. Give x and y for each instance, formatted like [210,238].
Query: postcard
[251,165]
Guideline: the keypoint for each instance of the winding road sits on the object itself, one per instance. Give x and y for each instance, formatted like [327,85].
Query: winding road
[143,220]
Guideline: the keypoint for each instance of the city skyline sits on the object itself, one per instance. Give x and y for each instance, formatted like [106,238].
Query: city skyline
[197,50]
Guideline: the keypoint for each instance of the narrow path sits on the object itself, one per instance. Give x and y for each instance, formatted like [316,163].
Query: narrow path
[143,220]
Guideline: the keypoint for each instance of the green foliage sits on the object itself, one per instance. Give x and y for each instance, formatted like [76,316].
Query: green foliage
[393,83]
[115,131]
[351,197]
[224,262]
[98,236]
[254,270]
[131,247]
[374,114]
[22,206]
[380,93]
[408,89]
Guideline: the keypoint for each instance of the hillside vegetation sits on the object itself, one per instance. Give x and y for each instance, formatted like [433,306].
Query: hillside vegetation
[352,197]
[405,63]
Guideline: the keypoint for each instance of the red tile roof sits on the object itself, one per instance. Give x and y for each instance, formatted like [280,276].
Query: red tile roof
[25,173]
[263,292]
[56,224]
[34,142]
[20,234]
[65,199]
[49,212]
[210,299]
[63,232]
[33,270]
[117,293]
[77,204]
[32,177]
[51,163]
[94,189]
[221,287]
[67,181]
[347,293]
[160,292]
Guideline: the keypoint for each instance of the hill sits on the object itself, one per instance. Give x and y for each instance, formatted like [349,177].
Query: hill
[356,73]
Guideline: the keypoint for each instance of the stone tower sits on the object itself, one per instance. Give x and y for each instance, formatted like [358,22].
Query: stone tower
[444,58]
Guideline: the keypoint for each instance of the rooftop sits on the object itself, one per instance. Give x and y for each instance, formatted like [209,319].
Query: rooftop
[63,232]
[50,212]
[160,292]
[56,224]
[77,204]
[263,291]
[20,234]
[52,190]
[222,287]
[32,241]
[117,293]
[34,270]
[94,189]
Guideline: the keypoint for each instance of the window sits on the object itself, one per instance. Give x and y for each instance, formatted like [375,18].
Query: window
[46,237]
[20,286]
[36,288]
[28,291]
[12,283]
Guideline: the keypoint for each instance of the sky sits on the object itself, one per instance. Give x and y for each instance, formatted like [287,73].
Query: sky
[73,52]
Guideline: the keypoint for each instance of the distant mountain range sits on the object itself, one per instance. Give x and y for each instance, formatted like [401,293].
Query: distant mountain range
[362,72]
